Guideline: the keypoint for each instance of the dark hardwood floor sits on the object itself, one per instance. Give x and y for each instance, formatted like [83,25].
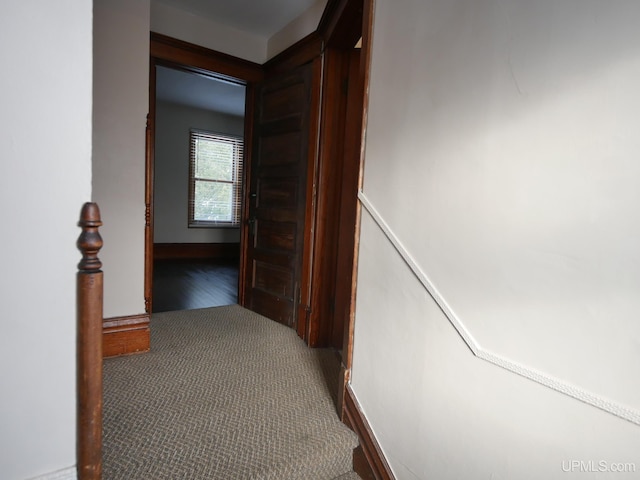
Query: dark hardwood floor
[185,285]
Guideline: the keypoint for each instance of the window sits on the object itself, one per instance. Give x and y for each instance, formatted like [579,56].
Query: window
[215,179]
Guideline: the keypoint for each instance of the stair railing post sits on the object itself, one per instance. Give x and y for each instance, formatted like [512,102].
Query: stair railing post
[89,312]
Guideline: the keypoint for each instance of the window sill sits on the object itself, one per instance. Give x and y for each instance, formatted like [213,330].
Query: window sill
[213,225]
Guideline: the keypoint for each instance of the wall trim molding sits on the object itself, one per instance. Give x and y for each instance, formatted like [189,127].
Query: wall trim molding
[198,59]
[542,378]
[125,335]
[369,446]
[65,474]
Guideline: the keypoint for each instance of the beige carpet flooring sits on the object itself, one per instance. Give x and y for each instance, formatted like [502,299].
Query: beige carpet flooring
[224,394]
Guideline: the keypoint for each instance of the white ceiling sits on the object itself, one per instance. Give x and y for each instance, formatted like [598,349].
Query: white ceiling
[260,17]
[198,91]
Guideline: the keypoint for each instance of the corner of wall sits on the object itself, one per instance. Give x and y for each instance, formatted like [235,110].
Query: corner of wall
[296,30]
[207,33]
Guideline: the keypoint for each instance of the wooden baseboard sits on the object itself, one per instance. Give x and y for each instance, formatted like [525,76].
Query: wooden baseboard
[125,335]
[196,251]
[368,459]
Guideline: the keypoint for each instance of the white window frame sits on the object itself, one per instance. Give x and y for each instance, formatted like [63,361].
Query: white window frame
[237,168]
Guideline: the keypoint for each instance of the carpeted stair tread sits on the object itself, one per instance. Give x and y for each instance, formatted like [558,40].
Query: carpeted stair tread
[224,394]
[348,476]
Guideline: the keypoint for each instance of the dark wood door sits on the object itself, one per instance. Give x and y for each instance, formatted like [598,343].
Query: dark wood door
[278,197]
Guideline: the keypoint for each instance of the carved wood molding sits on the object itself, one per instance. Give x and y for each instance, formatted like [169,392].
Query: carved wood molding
[338,19]
[89,348]
[196,58]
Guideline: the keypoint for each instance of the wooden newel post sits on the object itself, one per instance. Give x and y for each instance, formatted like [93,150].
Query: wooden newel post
[89,308]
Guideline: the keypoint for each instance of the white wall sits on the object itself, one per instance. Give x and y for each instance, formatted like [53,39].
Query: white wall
[296,30]
[171,175]
[121,103]
[502,152]
[45,177]
[185,26]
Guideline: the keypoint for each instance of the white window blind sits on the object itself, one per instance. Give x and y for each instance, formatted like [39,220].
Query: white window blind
[215,179]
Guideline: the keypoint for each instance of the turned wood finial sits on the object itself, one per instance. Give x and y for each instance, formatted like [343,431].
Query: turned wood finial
[89,349]
[90,241]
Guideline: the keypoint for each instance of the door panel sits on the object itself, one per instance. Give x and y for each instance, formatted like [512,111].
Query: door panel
[288,100]
[276,235]
[274,279]
[281,148]
[278,192]
[277,196]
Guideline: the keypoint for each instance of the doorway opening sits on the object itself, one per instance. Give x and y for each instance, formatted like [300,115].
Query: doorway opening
[197,189]
[195,95]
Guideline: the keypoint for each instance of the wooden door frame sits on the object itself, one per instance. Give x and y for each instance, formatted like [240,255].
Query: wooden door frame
[335,33]
[328,48]
[173,53]
[368,458]
[342,23]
